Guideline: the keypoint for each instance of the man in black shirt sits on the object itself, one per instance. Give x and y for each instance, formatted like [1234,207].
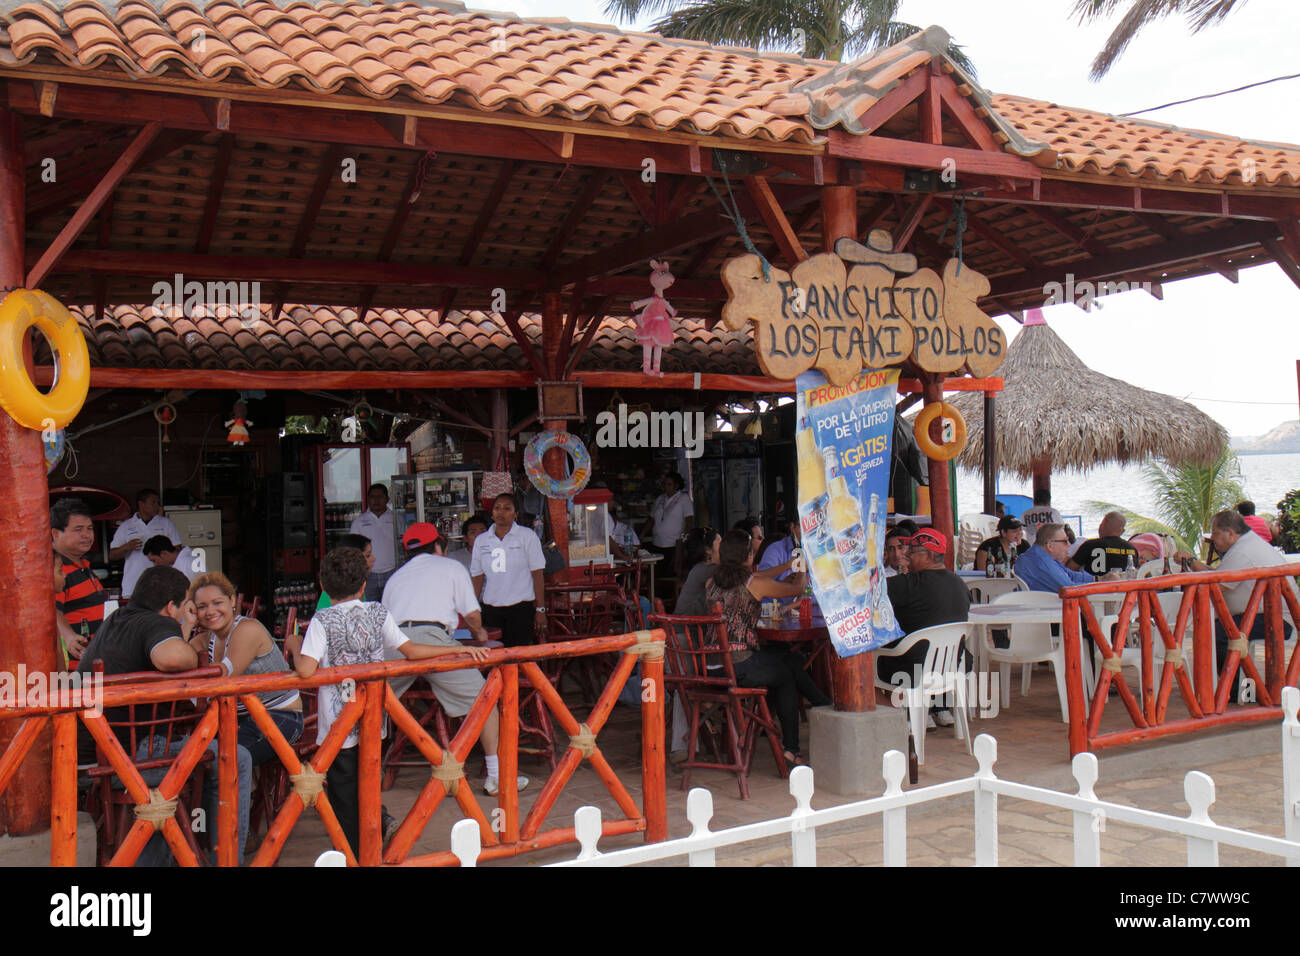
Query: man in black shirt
[1106,552]
[927,595]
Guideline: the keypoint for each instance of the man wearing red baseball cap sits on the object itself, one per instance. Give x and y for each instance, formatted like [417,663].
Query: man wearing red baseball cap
[928,594]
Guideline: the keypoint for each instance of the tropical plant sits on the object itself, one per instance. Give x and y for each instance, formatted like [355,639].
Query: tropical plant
[821,29]
[1200,14]
[1187,497]
[1288,519]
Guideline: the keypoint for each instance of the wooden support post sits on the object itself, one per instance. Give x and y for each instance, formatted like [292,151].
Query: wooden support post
[940,488]
[653,783]
[990,454]
[1042,466]
[500,428]
[852,678]
[554,460]
[26,579]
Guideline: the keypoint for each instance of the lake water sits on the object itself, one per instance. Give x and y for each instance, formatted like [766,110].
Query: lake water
[1265,478]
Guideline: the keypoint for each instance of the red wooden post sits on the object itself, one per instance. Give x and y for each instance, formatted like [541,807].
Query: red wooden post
[940,488]
[508,750]
[63,819]
[554,460]
[852,678]
[369,804]
[26,579]
[1042,474]
[1275,653]
[227,822]
[1203,642]
[1074,676]
[654,794]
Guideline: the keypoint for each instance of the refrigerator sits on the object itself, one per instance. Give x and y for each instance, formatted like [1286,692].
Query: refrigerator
[344,475]
[200,530]
[442,498]
[728,480]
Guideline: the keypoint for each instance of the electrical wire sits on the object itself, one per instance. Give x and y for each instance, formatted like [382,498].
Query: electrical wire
[1210,96]
[1234,401]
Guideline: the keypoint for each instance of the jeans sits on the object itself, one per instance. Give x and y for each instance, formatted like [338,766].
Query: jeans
[375,582]
[341,788]
[157,852]
[288,722]
[782,672]
[1258,631]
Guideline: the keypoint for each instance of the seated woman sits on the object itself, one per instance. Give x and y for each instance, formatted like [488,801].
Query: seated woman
[242,646]
[697,559]
[1010,540]
[739,590]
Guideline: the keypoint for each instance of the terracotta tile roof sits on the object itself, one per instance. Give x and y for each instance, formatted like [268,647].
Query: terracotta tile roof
[307,338]
[433,52]
[1106,145]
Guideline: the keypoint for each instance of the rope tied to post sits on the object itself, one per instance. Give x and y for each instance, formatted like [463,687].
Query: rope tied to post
[450,772]
[1173,657]
[1240,645]
[1111,664]
[584,741]
[308,784]
[646,645]
[157,811]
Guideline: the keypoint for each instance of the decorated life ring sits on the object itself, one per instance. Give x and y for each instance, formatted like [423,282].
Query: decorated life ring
[557,487]
[921,429]
[28,406]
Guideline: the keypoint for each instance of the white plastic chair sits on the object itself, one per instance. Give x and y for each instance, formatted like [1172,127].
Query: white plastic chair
[1153,568]
[942,673]
[1029,644]
[985,590]
[973,530]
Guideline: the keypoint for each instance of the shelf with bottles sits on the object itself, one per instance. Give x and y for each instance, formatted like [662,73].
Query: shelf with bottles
[294,592]
[339,515]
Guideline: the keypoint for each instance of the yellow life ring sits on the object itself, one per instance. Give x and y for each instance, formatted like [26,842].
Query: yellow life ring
[921,429]
[26,404]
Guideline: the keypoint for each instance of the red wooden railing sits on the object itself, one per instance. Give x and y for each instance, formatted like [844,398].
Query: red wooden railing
[1202,602]
[504,667]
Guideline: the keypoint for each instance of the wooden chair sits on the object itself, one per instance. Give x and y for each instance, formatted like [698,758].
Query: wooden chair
[248,608]
[575,612]
[698,666]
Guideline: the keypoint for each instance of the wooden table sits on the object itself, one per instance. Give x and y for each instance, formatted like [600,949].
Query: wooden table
[788,630]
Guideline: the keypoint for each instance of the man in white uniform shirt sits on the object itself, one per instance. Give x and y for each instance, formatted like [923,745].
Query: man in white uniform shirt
[376,523]
[128,541]
[1241,548]
[474,526]
[426,597]
[671,516]
[160,551]
[506,566]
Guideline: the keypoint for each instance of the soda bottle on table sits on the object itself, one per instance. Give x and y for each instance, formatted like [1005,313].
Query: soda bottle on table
[1130,569]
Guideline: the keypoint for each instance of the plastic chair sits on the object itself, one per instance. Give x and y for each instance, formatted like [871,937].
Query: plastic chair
[982,590]
[942,673]
[973,530]
[1029,644]
[1152,569]
[698,665]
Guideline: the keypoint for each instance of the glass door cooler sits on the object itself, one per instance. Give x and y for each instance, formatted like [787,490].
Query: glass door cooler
[443,499]
[345,474]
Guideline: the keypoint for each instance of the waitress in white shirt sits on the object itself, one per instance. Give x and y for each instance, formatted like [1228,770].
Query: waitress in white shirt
[131,535]
[506,567]
[671,516]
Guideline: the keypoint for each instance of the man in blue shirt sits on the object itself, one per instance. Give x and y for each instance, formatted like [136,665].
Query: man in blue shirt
[1043,568]
[781,551]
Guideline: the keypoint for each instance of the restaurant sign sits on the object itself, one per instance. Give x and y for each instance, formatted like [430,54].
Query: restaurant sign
[862,306]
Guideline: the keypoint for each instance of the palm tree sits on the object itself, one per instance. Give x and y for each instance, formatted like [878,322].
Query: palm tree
[1187,497]
[820,29]
[1200,14]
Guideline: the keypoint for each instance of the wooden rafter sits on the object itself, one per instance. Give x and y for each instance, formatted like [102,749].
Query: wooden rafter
[672,206]
[930,113]
[1170,232]
[573,220]
[394,231]
[594,320]
[801,225]
[968,120]
[878,210]
[1093,195]
[92,204]
[1287,260]
[484,219]
[893,102]
[637,192]
[216,185]
[570,326]
[329,168]
[702,256]
[457,415]
[992,235]
[911,222]
[103,240]
[1067,229]
[774,218]
[511,319]
[900,152]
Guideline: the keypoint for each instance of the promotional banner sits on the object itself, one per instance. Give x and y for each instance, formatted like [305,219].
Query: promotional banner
[843,441]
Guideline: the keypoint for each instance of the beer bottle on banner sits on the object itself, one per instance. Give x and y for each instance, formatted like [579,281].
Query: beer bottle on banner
[815,535]
[850,539]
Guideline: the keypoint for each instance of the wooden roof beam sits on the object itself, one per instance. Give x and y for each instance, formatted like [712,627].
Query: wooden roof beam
[972,126]
[899,152]
[894,102]
[396,224]
[310,212]
[910,222]
[577,212]
[216,184]
[1215,204]
[930,112]
[93,203]
[1069,230]
[1169,232]
[774,218]
[1287,261]
[637,192]
[992,235]
[598,315]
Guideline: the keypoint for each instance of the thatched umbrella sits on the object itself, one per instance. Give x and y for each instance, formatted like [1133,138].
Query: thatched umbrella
[1054,411]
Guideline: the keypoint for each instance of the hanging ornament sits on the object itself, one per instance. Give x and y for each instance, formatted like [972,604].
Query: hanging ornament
[164,414]
[238,424]
[653,330]
[55,445]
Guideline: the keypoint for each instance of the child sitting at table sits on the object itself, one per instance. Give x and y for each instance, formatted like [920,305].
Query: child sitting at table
[351,631]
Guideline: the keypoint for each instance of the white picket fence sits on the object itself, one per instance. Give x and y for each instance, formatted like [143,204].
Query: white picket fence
[1091,814]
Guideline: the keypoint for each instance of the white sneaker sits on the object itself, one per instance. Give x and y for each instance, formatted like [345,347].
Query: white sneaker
[490,786]
[943,718]
[929,722]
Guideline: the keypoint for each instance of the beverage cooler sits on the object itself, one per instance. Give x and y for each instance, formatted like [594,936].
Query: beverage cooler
[444,499]
[345,474]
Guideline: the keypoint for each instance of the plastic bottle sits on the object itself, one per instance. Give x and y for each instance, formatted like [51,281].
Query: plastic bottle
[1130,569]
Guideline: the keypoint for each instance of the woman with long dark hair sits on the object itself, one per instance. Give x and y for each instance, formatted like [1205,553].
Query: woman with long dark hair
[739,591]
[697,559]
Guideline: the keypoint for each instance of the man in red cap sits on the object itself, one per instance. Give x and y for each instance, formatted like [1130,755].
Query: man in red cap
[928,594]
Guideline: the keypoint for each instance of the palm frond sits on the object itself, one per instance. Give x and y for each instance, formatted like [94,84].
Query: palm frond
[1202,13]
[761,24]
[878,33]
[628,10]
[1138,524]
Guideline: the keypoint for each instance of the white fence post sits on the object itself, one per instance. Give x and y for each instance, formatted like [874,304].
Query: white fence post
[586,827]
[699,810]
[895,821]
[1291,768]
[1198,791]
[803,839]
[986,803]
[1088,826]
[465,842]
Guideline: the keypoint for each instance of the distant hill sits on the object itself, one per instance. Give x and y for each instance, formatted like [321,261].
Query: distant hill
[1283,438]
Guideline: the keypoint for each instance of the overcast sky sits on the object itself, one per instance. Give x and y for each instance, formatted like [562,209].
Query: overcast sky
[1230,349]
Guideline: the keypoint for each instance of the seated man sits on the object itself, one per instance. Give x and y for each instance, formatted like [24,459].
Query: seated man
[1005,547]
[1241,548]
[1043,568]
[896,539]
[1106,552]
[162,553]
[1039,514]
[780,553]
[926,595]
[1256,524]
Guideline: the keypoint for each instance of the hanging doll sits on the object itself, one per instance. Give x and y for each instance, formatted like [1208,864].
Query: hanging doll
[238,425]
[653,330]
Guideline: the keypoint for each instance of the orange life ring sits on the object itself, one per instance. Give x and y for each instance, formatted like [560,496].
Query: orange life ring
[921,429]
[26,404]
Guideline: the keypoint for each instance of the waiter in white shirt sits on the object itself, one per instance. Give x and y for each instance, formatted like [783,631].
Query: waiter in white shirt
[159,550]
[671,516]
[376,523]
[128,541]
[506,566]
[426,597]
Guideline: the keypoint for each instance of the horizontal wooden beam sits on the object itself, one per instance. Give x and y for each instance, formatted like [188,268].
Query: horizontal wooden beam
[1218,204]
[900,152]
[1134,262]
